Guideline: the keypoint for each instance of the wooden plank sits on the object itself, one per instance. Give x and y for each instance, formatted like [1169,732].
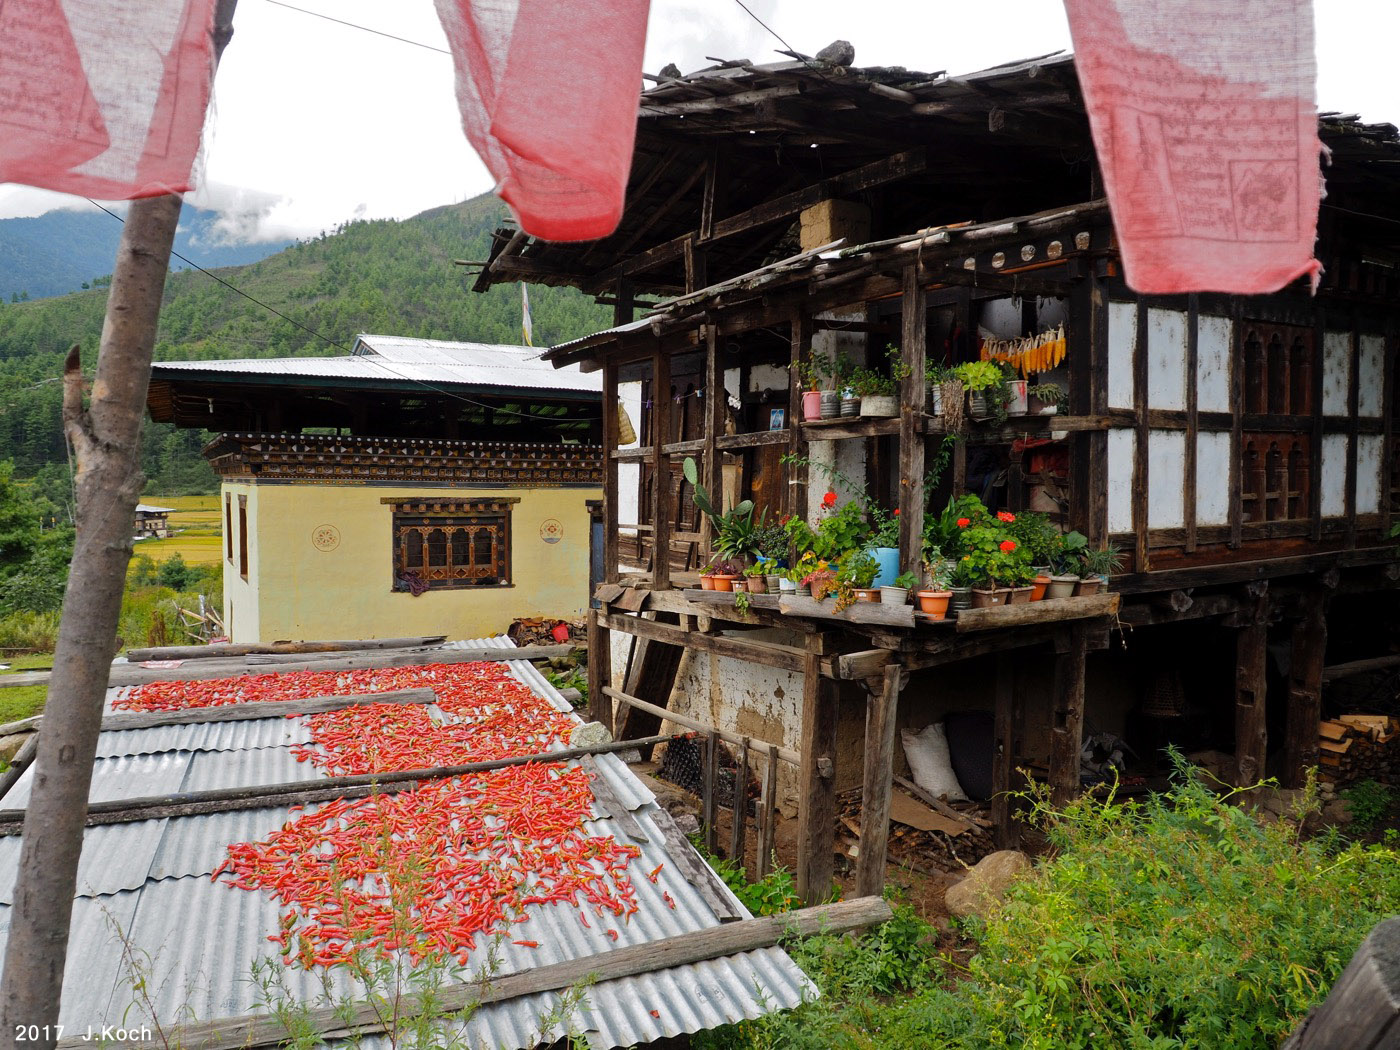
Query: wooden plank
[847,429]
[1251,688]
[1389,409]
[610,474]
[1051,610]
[1008,832]
[1362,1012]
[599,668]
[23,759]
[816,803]
[1351,668]
[654,677]
[1141,512]
[783,753]
[799,335]
[1305,691]
[754,439]
[1317,424]
[770,654]
[869,663]
[694,869]
[260,1031]
[767,813]
[711,475]
[727,599]
[913,391]
[1067,720]
[1353,408]
[861,612]
[1236,509]
[611,804]
[661,472]
[707,789]
[213,652]
[966,823]
[739,811]
[1188,465]
[881,721]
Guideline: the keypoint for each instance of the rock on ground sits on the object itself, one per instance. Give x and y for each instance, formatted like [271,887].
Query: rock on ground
[986,883]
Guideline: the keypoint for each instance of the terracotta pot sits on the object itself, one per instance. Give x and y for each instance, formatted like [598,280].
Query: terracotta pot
[811,404]
[987,598]
[961,599]
[1088,585]
[756,584]
[831,404]
[724,582]
[879,407]
[868,594]
[935,603]
[1038,588]
[1020,595]
[707,583]
[1061,586]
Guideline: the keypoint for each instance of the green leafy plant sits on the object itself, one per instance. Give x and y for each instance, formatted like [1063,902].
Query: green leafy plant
[859,569]
[1050,393]
[770,539]
[1104,561]
[907,580]
[993,558]
[977,376]
[734,530]
[1368,802]
[1065,560]
[884,526]
[943,532]
[742,601]
[845,530]
[1038,534]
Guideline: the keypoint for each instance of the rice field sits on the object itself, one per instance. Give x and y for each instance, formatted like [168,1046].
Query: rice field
[198,530]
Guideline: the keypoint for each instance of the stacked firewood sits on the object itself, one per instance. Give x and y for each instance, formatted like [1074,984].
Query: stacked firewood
[1359,747]
[542,631]
[928,851]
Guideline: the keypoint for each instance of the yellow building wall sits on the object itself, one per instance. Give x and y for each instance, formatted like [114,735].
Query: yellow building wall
[321,565]
[240,594]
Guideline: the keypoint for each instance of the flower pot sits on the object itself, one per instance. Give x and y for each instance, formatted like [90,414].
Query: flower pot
[867,594]
[935,603]
[850,407]
[1019,404]
[707,583]
[1020,595]
[786,586]
[831,404]
[775,584]
[961,598]
[989,597]
[725,582]
[757,584]
[879,407]
[1088,585]
[1043,408]
[978,407]
[1042,581]
[894,596]
[1061,586]
[888,560]
[802,590]
[811,404]
[935,399]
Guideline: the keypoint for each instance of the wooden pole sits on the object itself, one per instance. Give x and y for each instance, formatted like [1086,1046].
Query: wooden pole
[1305,690]
[1251,733]
[767,813]
[661,507]
[707,796]
[106,440]
[710,468]
[816,805]
[881,719]
[740,810]
[610,473]
[1067,724]
[1362,1012]
[912,392]
[600,707]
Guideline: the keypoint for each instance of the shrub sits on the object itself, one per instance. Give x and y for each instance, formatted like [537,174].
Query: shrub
[29,631]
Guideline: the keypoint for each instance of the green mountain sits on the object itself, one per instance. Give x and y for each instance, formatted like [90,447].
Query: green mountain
[381,276]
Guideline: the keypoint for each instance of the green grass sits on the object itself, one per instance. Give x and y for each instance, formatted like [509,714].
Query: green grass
[196,546]
[27,700]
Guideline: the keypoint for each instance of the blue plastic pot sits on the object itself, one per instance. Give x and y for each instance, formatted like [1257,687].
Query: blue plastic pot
[888,560]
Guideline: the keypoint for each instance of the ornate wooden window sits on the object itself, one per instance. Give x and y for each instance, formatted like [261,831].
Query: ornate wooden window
[1276,444]
[243,536]
[450,543]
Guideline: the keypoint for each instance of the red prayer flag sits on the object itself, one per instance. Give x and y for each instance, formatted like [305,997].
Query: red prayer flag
[1205,124]
[548,92]
[103,99]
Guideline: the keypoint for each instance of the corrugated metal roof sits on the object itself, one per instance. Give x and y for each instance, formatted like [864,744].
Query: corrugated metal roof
[396,359]
[196,942]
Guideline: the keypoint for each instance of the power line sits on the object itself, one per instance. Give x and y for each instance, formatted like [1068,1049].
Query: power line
[367,29]
[750,13]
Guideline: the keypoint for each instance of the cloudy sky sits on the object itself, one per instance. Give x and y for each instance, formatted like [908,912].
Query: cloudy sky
[316,122]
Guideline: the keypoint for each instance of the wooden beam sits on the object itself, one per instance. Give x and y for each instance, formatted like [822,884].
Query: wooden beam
[599,668]
[1067,720]
[816,803]
[661,472]
[739,811]
[611,423]
[711,474]
[1051,610]
[799,337]
[769,654]
[881,721]
[213,652]
[1337,672]
[784,754]
[1305,689]
[1251,700]
[1363,1008]
[1188,465]
[1353,409]
[1236,508]
[263,1031]
[1141,507]
[912,393]
[767,812]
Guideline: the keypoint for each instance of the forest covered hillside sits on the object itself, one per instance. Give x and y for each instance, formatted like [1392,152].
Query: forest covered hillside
[382,276]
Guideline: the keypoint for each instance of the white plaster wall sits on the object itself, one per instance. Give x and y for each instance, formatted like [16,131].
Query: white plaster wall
[1370,395]
[629,475]
[1334,475]
[1214,339]
[1336,372]
[1002,317]
[767,377]
[1166,450]
[1050,312]
[1213,477]
[1121,443]
[846,457]
[1368,473]
[1166,359]
[1122,336]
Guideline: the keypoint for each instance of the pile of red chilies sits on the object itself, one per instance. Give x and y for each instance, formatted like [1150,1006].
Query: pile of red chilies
[423,872]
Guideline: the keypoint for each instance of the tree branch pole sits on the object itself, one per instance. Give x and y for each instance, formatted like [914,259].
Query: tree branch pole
[105,437]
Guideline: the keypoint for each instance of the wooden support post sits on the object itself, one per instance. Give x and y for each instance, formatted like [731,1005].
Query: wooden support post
[707,798]
[767,813]
[610,483]
[599,669]
[816,811]
[1305,691]
[1141,522]
[1188,463]
[881,719]
[661,472]
[1251,734]
[800,333]
[740,808]
[711,475]
[1067,722]
[1363,1008]
[912,392]
[1237,395]
[1008,830]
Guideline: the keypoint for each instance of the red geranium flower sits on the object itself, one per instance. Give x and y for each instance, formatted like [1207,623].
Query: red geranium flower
[829,500]
[1005,516]
[896,512]
[964,522]
[1008,545]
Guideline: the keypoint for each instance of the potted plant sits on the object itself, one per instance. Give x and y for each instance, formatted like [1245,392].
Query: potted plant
[897,593]
[876,393]
[1045,398]
[858,570]
[937,375]
[884,543]
[985,384]
[735,530]
[821,581]
[809,372]
[1021,579]
[756,578]
[724,573]
[1042,539]
[934,599]
[995,561]
[1064,572]
[1096,567]
[707,577]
